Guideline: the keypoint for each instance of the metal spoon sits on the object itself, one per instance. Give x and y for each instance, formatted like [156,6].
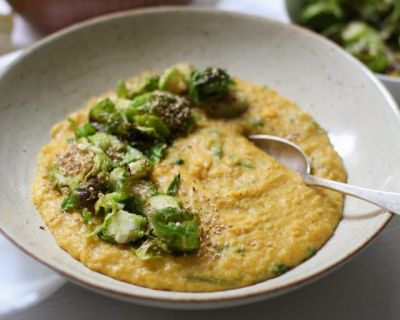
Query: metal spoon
[294,158]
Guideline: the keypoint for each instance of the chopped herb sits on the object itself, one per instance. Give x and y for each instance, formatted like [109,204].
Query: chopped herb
[179,161]
[122,91]
[85,130]
[311,251]
[279,269]
[87,217]
[212,132]
[69,203]
[72,124]
[156,152]
[209,279]
[245,165]
[217,150]
[256,122]
[174,185]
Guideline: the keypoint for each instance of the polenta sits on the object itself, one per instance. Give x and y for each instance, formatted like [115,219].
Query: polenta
[156,184]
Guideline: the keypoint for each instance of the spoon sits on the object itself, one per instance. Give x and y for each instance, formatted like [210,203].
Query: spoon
[294,158]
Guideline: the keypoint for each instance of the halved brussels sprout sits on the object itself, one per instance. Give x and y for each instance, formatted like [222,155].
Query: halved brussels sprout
[151,249]
[111,202]
[152,126]
[178,229]
[172,109]
[146,82]
[124,227]
[140,168]
[322,14]
[104,117]
[364,42]
[161,202]
[172,80]
[120,180]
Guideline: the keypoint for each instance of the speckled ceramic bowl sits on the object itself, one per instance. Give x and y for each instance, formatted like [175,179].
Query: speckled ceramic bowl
[293,8]
[57,75]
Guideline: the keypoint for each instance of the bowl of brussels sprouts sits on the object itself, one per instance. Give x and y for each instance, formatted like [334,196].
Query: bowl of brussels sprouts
[367,29]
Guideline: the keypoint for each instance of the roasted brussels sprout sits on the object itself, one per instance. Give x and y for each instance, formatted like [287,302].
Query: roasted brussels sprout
[176,79]
[151,249]
[140,168]
[111,202]
[368,29]
[120,180]
[146,82]
[322,14]
[177,227]
[104,117]
[173,110]
[208,84]
[179,231]
[365,43]
[123,227]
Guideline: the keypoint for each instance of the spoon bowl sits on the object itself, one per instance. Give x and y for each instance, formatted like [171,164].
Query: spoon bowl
[285,151]
[294,158]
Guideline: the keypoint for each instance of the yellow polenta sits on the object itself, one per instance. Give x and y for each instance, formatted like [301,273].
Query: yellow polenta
[257,216]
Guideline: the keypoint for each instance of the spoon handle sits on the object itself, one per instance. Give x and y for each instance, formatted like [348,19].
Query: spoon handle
[387,200]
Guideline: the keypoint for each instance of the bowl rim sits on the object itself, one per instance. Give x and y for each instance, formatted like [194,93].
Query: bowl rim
[203,298]
[381,76]
[387,78]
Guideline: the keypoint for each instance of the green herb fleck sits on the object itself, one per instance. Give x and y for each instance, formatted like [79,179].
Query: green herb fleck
[69,202]
[72,124]
[174,185]
[207,279]
[311,251]
[85,130]
[122,91]
[87,217]
[256,122]
[245,165]
[212,132]
[156,152]
[279,269]
[179,161]
[217,150]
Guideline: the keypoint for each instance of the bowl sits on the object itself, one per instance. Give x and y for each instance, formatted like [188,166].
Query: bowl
[293,8]
[57,75]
